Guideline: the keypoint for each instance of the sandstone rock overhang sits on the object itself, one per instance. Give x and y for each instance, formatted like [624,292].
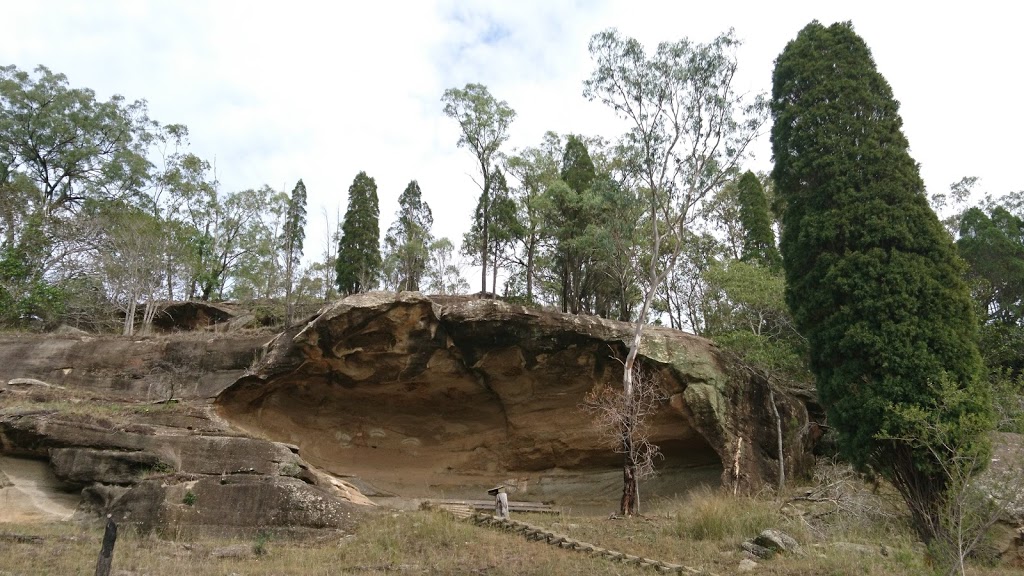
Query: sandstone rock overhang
[406,391]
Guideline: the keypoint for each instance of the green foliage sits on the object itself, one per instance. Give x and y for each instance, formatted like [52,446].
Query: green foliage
[993,247]
[359,260]
[758,237]
[407,243]
[70,144]
[260,547]
[241,253]
[484,123]
[872,278]
[25,295]
[443,274]
[1002,347]
[965,508]
[293,233]
[190,498]
[59,147]
[751,319]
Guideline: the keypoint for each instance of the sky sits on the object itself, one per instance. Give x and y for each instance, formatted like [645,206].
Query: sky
[278,91]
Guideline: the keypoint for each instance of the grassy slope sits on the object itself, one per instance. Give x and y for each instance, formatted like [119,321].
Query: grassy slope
[702,531]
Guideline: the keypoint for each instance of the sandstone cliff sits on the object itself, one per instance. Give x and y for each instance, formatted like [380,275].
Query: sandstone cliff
[377,395]
[419,396]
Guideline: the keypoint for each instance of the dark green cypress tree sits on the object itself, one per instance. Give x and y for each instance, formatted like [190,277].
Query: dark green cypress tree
[873,280]
[359,261]
[577,166]
[758,236]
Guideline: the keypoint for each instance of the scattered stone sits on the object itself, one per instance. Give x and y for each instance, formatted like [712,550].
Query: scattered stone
[777,541]
[746,565]
[30,383]
[758,551]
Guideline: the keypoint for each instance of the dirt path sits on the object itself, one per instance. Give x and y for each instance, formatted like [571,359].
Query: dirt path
[32,493]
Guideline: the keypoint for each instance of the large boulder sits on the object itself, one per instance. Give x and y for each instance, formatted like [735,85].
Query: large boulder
[421,396]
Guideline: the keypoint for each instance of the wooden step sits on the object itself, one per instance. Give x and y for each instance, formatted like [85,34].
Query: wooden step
[513,506]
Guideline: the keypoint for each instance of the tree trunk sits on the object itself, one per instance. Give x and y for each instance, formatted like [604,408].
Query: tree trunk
[529,271]
[778,431]
[565,286]
[485,241]
[628,504]
[147,315]
[494,272]
[129,318]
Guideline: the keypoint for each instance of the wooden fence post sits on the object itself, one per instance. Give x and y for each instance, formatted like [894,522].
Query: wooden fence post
[107,551]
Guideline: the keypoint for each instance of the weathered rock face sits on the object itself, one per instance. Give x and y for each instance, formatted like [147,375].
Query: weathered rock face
[198,366]
[413,395]
[172,466]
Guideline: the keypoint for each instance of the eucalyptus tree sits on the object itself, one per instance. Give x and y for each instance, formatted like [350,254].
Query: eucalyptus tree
[59,147]
[407,243]
[242,246]
[535,169]
[443,274]
[484,123]
[688,130]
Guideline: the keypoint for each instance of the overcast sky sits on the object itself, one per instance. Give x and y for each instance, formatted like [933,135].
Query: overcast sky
[321,90]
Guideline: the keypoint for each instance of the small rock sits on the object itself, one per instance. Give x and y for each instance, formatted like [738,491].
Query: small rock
[746,565]
[758,551]
[777,540]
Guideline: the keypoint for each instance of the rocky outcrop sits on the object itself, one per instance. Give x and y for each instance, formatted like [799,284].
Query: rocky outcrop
[414,395]
[193,366]
[380,394]
[169,465]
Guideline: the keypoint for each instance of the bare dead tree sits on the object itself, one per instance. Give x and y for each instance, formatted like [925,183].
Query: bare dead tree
[623,421]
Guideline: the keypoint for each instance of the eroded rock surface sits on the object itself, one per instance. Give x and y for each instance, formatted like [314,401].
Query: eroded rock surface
[196,366]
[169,466]
[417,396]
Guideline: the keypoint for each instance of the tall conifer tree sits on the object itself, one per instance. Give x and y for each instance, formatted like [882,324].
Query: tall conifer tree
[872,278]
[292,236]
[359,262]
[758,237]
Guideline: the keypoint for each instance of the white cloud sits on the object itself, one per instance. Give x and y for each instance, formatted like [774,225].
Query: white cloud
[320,91]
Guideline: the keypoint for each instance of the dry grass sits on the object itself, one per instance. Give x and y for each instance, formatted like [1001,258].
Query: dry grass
[702,530]
[409,543]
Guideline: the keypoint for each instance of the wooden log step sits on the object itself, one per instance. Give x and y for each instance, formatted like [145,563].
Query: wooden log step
[513,505]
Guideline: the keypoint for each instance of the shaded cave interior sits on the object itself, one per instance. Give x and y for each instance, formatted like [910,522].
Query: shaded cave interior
[443,412]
